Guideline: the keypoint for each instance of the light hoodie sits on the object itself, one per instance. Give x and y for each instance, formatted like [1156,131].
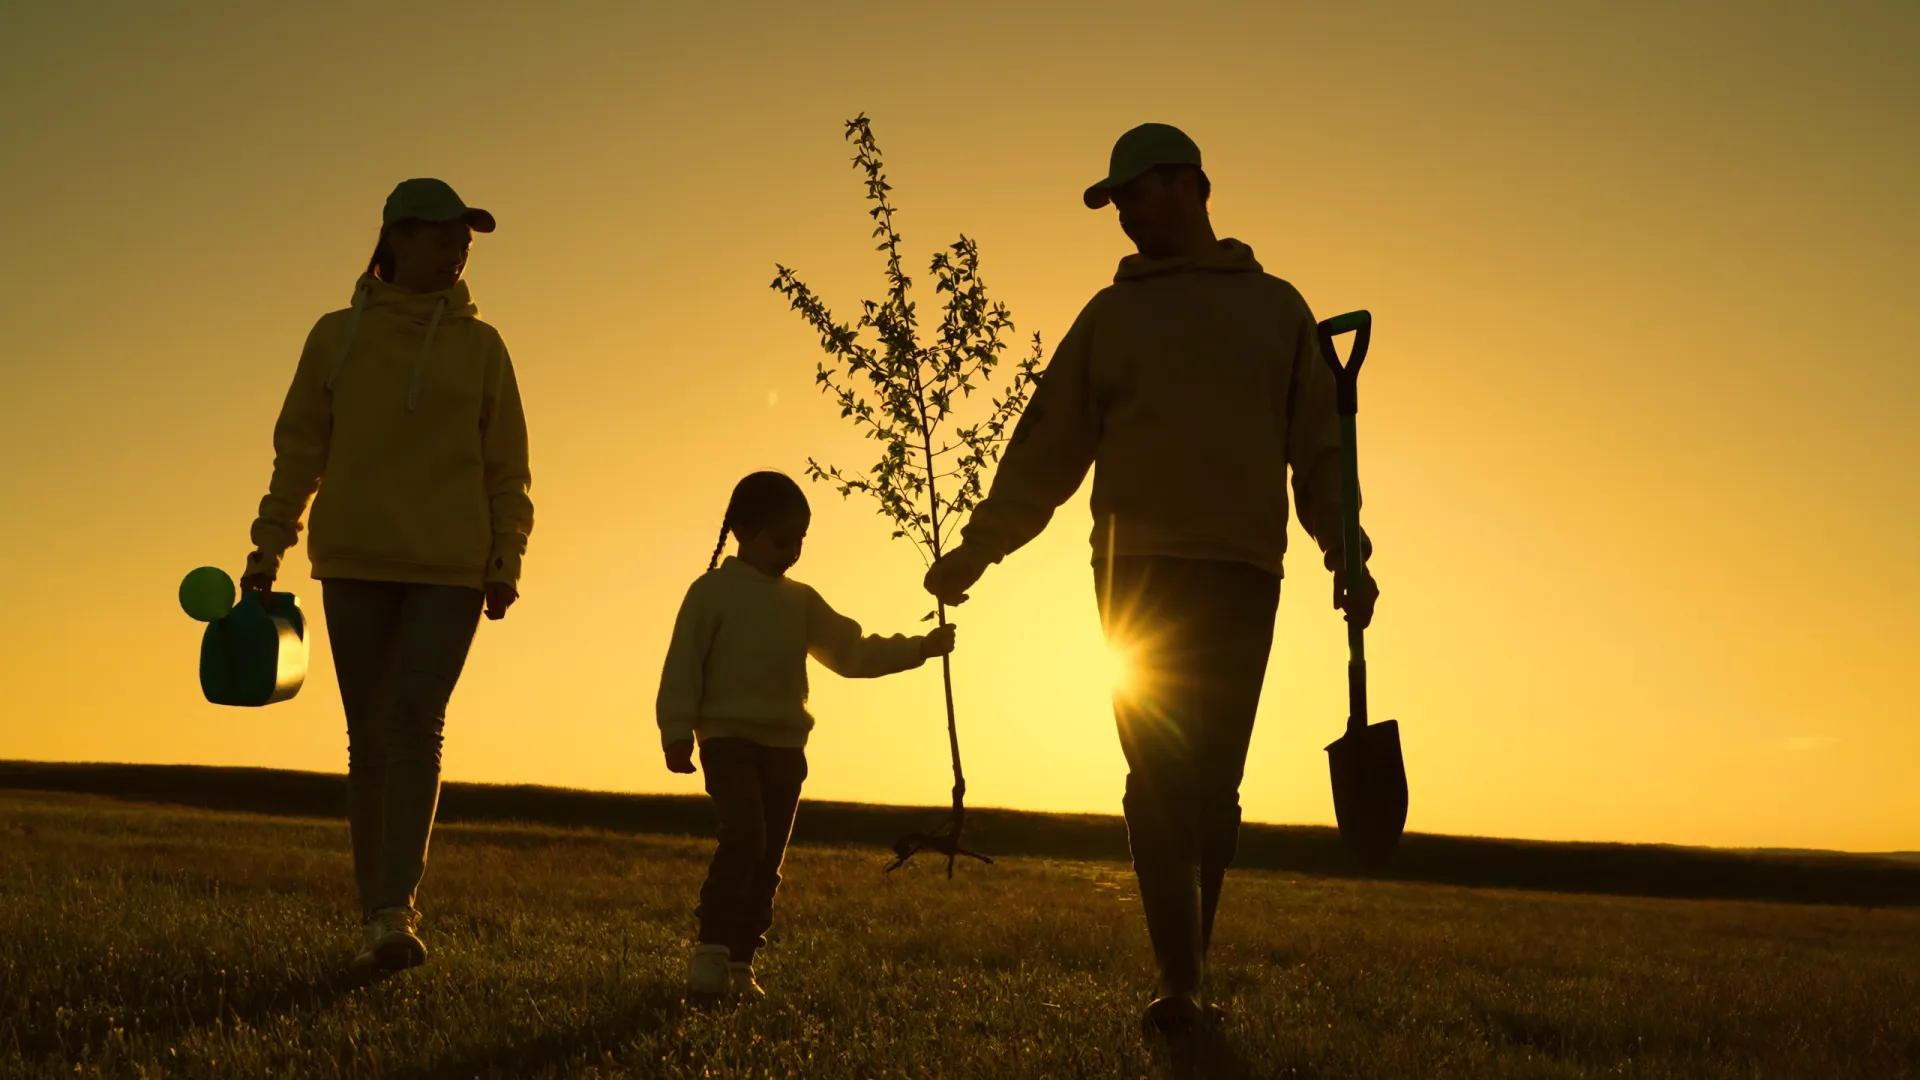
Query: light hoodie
[1190,386]
[404,415]
[737,666]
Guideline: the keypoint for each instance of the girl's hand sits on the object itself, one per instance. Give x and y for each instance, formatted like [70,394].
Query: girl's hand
[257,583]
[680,756]
[937,643]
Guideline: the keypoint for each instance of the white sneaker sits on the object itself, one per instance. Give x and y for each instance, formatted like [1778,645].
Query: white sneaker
[707,971]
[364,960]
[392,942]
[740,978]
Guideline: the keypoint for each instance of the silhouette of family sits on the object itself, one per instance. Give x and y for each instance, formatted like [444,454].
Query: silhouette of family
[1192,387]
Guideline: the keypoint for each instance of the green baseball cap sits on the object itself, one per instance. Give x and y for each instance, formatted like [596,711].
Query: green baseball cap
[432,200]
[1138,151]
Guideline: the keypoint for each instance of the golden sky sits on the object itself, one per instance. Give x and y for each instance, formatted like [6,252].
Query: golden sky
[1636,432]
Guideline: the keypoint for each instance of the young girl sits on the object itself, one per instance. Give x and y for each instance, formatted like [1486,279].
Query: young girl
[405,417]
[736,679]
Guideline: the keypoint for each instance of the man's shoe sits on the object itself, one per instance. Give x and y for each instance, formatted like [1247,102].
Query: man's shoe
[1173,1016]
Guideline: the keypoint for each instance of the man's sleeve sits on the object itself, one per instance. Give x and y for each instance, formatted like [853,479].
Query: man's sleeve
[1313,444]
[1049,455]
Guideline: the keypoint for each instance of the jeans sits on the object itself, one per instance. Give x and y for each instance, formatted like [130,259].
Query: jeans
[755,791]
[1196,635]
[397,650]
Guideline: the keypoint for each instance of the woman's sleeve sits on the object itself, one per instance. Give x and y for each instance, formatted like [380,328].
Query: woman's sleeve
[504,449]
[836,641]
[300,440]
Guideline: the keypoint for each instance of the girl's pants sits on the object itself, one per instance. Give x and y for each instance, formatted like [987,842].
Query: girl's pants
[397,652]
[755,791]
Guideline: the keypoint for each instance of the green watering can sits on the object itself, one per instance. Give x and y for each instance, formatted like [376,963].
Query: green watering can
[253,652]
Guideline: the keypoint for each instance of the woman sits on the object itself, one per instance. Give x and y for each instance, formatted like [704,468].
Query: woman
[404,415]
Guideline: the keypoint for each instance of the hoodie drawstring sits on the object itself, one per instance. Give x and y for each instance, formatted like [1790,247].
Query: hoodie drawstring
[346,340]
[426,347]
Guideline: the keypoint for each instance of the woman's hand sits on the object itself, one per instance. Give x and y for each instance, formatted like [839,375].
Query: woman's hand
[937,643]
[680,756]
[500,597]
[259,584]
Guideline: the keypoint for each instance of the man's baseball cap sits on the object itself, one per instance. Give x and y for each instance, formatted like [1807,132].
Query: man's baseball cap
[432,200]
[1137,152]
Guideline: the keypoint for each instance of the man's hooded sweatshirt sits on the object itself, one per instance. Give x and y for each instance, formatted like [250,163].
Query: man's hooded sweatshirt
[1190,386]
[405,417]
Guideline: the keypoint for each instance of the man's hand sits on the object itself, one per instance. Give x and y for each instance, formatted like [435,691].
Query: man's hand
[680,756]
[949,578]
[500,597]
[1357,605]
[938,642]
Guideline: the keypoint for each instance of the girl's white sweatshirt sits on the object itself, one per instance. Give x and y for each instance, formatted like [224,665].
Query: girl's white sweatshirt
[737,665]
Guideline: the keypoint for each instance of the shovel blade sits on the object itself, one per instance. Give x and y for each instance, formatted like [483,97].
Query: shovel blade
[1369,790]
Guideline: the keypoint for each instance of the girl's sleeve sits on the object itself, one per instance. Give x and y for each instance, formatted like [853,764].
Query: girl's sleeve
[503,445]
[683,680]
[301,437]
[836,641]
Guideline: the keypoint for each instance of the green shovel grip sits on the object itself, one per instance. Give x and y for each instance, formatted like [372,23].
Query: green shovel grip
[1346,398]
[1348,323]
[1346,378]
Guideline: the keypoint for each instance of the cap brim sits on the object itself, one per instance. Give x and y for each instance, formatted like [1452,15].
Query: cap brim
[1101,193]
[479,220]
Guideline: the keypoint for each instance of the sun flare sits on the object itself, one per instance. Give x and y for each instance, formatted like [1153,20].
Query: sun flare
[1116,668]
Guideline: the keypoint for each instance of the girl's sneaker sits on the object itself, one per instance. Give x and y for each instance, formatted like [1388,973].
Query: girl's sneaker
[707,974]
[392,941]
[740,977]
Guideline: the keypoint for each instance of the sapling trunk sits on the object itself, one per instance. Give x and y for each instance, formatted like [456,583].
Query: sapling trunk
[908,400]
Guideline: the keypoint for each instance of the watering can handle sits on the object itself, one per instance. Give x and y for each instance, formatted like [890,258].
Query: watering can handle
[1346,378]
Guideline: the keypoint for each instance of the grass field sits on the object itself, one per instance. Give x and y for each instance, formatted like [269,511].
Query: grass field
[161,941]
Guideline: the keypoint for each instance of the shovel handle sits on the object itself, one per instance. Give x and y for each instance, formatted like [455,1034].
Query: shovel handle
[1346,377]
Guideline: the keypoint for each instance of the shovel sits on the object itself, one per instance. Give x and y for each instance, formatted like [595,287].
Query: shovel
[1369,775]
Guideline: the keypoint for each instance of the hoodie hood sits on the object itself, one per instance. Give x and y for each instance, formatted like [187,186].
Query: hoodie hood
[428,310]
[1231,256]
[455,303]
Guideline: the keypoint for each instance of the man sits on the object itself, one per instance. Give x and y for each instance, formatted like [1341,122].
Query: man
[1193,381]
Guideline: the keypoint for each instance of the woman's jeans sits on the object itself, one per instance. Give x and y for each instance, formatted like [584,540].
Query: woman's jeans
[397,652]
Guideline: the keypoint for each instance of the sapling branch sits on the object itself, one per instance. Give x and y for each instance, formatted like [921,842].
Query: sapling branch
[903,394]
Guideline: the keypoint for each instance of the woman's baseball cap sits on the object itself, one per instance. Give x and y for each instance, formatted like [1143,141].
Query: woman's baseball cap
[426,199]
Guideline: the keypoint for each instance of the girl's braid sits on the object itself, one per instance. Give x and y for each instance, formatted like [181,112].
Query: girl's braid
[719,547]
